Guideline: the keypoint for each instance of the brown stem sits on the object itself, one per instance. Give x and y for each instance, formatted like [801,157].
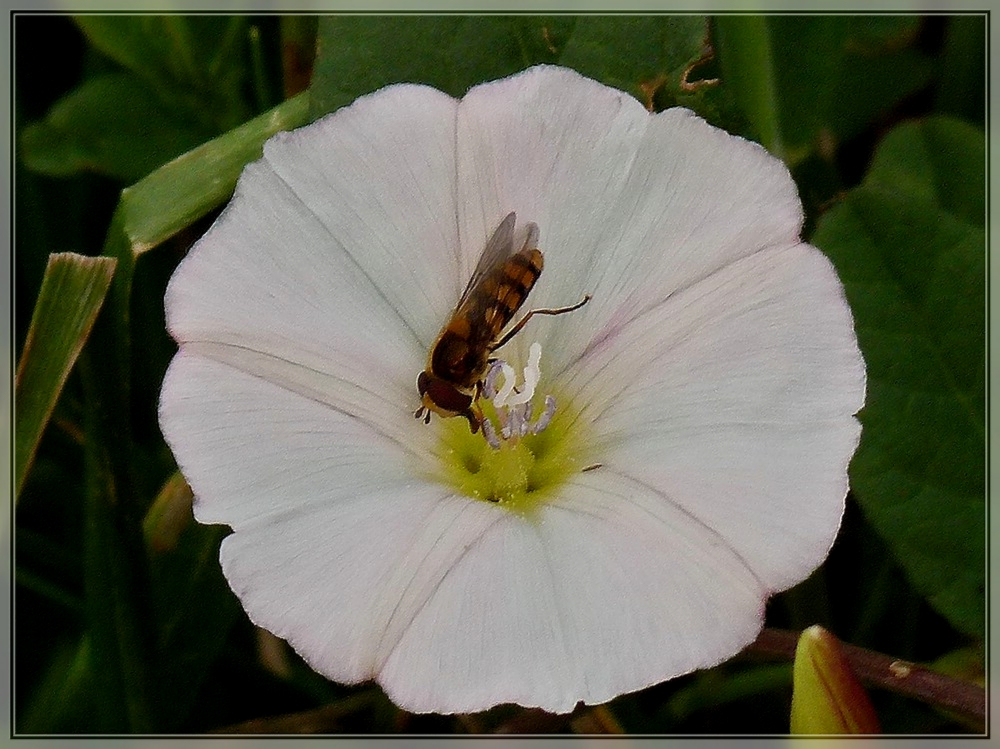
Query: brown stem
[874,669]
[902,677]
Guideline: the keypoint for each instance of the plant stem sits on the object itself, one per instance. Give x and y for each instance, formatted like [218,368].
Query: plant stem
[886,672]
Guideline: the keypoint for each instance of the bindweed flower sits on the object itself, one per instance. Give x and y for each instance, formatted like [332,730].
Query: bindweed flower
[665,458]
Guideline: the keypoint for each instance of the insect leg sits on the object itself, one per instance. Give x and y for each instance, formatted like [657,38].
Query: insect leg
[475,417]
[546,311]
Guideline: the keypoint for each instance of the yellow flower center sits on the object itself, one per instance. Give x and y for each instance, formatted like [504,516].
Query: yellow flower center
[526,449]
[523,472]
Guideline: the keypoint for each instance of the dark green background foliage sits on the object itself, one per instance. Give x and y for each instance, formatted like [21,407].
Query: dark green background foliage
[122,619]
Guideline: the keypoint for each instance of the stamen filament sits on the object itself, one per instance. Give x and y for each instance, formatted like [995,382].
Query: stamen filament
[546,417]
[513,404]
[490,433]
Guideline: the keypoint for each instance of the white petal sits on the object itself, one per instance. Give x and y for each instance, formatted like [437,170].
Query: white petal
[341,239]
[615,543]
[251,449]
[342,582]
[546,143]
[736,397]
[556,148]
[490,634]
[631,206]
[380,177]
[611,590]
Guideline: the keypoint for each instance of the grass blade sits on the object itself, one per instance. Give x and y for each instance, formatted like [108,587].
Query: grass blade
[73,290]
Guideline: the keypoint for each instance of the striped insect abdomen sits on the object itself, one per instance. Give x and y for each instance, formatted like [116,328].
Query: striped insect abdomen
[464,346]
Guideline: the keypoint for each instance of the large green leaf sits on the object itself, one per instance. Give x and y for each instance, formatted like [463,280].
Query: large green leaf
[111,124]
[638,54]
[196,63]
[359,54]
[804,80]
[910,248]
[182,83]
[72,293]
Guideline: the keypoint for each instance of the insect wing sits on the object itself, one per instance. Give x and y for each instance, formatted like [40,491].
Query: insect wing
[499,247]
[499,287]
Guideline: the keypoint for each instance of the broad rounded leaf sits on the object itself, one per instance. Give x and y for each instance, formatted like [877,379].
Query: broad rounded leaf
[913,262]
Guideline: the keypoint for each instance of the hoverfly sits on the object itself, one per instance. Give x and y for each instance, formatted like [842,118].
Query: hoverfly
[453,379]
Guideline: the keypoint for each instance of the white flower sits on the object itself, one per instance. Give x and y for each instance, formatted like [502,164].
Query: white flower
[696,461]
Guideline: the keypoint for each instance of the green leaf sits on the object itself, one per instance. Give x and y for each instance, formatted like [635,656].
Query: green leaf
[942,162]
[359,54]
[827,697]
[111,124]
[804,81]
[195,63]
[967,664]
[61,701]
[638,54]
[183,83]
[962,91]
[195,609]
[870,85]
[72,293]
[115,573]
[910,249]
[156,48]
[712,688]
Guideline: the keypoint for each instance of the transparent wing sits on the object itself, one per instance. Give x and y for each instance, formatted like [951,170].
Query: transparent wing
[484,303]
[499,247]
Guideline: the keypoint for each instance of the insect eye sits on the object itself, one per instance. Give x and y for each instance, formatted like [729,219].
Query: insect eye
[422,383]
[446,396]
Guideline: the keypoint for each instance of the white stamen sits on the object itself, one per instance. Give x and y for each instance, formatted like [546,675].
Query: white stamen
[532,373]
[500,399]
[513,404]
